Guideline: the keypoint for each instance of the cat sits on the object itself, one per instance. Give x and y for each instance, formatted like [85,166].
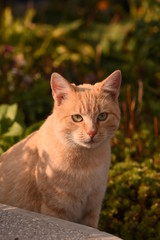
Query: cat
[62,169]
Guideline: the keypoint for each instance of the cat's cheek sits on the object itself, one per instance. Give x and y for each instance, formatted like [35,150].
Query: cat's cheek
[69,138]
[76,138]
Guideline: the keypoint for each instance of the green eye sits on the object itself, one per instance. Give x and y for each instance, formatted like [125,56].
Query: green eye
[77,118]
[102,116]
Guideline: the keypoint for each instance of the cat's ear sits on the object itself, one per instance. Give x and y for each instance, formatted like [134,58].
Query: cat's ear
[112,84]
[60,88]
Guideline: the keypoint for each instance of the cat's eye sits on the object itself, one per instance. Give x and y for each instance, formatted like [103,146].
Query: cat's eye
[102,116]
[77,118]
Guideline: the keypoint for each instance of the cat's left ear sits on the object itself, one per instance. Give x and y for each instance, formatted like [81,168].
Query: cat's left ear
[112,84]
[60,88]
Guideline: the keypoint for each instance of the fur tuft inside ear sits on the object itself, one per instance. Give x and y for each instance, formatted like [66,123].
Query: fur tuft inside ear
[60,88]
[112,84]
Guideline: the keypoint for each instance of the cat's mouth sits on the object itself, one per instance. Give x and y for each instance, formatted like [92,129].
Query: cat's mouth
[90,143]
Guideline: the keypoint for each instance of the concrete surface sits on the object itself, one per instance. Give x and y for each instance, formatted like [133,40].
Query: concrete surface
[19,224]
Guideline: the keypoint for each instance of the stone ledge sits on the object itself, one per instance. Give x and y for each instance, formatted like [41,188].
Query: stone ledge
[20,224]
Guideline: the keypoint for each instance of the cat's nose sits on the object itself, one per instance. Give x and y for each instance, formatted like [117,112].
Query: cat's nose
[92,133]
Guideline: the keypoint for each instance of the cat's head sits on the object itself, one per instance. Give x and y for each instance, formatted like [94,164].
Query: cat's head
[86,115]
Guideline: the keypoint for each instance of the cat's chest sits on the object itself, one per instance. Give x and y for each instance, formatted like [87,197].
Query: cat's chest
[81,170]
[77,174]
[78,179]
[69,185]
[72,188]
[78,171]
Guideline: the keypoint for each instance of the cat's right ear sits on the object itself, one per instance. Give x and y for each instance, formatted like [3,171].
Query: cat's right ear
[60,88]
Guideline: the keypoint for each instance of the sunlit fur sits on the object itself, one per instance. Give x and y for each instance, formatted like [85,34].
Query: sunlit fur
[90,102]
[60,170]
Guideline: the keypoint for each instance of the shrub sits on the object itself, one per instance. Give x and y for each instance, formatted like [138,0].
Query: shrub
[131,207]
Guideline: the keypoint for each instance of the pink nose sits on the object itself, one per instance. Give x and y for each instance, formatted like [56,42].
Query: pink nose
[92,133]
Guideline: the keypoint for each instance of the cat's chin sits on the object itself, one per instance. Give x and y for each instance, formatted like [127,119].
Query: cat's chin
[89,145]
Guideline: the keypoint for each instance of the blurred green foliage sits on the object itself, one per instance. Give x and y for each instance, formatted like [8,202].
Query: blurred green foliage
[10,128]
[86,45]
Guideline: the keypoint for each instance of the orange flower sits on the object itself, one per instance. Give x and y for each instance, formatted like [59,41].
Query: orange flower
[102,5]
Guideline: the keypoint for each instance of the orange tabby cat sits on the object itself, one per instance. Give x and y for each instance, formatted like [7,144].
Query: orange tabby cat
[62,169]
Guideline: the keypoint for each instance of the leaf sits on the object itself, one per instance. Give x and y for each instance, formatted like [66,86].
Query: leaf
[29,16]
[8,111]
[64,29]
[7,17]
[14,131]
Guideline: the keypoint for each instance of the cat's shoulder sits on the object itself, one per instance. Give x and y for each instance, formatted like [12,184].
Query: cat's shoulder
[28,142]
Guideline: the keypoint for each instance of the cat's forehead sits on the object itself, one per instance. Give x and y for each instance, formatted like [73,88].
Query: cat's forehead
[88,99]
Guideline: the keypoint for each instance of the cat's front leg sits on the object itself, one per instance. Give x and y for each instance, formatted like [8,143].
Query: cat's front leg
[91,218]
[93,207]
[53,211]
